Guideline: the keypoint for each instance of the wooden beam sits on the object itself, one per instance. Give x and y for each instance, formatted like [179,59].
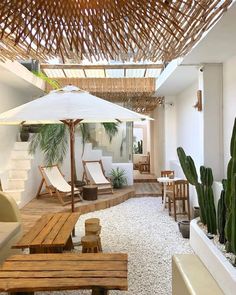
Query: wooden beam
[99,67]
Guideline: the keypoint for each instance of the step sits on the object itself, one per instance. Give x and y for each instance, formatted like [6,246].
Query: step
[15,193]
[21,146]
[20,154]
[18,173]
[16,184]
[20,164]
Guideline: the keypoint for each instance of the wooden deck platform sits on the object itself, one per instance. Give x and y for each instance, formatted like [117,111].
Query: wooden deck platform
[47,204]
[144,177]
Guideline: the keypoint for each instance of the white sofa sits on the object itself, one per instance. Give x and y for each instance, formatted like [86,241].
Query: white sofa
[10,225]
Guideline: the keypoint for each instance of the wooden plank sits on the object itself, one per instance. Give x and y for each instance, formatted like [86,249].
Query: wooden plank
[62,274]
[70,256]
[46,230]
[54,284]
[66,229]
[65,265]
[55,231]
[34,232]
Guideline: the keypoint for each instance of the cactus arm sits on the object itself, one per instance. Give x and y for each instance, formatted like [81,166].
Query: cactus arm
[233,224]
[230,195]
[221,214]
[200,193]
[233,141]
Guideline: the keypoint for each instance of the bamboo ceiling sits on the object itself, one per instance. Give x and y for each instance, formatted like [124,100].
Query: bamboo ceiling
[104,29]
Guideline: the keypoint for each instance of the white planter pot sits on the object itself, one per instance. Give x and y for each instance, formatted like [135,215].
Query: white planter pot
[216,263]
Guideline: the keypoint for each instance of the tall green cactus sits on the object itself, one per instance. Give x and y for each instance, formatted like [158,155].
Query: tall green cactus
[207,182]
[230,196]
[221,214]
[190,173]
[204,189]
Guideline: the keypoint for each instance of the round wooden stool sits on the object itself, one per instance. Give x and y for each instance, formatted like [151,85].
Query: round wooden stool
[90,244]
[92,221]
[94,229]
[90,192]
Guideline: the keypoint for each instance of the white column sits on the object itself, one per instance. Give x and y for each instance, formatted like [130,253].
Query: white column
[211,84]
[170,131]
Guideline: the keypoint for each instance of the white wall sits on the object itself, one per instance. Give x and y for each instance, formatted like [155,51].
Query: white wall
[229,105]
[188,124]
[183,128]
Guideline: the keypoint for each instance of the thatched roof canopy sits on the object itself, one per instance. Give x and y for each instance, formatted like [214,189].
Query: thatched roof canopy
[104,29]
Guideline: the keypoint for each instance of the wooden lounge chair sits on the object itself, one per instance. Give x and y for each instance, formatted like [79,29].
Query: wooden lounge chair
[55,183]
[94,174]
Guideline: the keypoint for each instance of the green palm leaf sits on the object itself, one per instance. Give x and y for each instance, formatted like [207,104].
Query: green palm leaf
[111,129]
[52,140]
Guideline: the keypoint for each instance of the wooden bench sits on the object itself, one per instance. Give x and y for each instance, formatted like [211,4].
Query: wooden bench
[191,277]
[26,274]
[50,234]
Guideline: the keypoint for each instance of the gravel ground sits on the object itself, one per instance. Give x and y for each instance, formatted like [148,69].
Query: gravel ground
[140,228]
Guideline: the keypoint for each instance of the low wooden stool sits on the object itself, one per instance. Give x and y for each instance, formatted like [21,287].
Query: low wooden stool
[94,229]
[90,244]
[90,192]
[92,221]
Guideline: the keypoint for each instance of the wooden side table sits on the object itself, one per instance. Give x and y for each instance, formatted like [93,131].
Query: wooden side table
[25,274]
[90,192]
[50,234]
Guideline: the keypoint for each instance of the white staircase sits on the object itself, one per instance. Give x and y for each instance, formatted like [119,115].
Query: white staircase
[18,172]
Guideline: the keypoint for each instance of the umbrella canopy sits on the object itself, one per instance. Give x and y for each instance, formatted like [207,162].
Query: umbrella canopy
[68,103]
[70,106]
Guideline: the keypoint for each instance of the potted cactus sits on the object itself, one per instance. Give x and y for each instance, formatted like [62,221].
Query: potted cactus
[203,188]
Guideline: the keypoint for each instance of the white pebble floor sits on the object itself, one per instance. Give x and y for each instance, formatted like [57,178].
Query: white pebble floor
[140,228]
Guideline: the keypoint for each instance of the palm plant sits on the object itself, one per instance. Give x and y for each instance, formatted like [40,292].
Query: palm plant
[52,140]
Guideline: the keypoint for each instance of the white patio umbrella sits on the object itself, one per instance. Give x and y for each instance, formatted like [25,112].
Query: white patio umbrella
[70,106]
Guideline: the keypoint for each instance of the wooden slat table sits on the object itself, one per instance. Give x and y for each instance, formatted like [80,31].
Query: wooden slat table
[50,234]
[25,274]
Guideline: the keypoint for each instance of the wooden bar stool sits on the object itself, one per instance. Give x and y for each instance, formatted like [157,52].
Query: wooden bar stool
[94,229]
[90,244]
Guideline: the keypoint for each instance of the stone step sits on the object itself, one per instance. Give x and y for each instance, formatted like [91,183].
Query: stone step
[21,154]
[21,146]
[20,164]
[16,194]
[18,173]
[16,184]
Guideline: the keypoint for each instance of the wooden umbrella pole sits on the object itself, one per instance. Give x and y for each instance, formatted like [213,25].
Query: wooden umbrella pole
[72,163]
[71,124]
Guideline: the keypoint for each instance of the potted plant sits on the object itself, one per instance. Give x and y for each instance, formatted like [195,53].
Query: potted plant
[24,133]
[118,177]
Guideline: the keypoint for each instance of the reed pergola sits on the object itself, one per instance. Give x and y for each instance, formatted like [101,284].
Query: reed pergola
[137,94]
[104,29]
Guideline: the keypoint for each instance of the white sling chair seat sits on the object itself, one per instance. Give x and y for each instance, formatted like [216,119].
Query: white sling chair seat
[94,174]
[55,182]
[56,179]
